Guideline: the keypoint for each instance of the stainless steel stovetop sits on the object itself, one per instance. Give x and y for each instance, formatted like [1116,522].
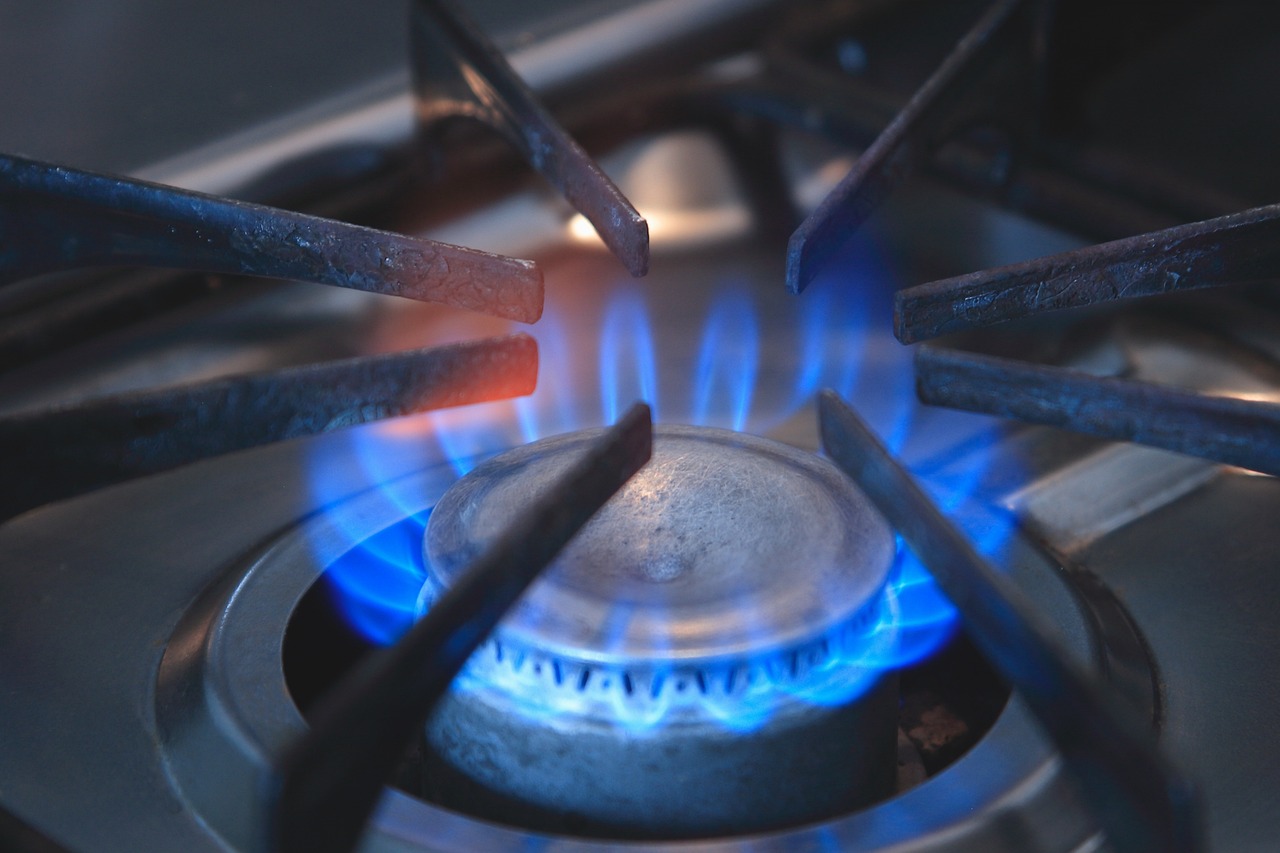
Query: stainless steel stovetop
[144,690]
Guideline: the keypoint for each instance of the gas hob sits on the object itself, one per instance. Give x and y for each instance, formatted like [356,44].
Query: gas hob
[166,641]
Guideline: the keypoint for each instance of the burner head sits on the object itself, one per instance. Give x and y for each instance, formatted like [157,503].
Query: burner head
[724,549]
[707,597]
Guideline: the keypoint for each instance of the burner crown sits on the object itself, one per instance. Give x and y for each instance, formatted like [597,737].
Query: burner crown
[724,548]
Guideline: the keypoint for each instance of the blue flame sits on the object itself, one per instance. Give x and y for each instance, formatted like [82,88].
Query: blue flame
[835,335]
[371,582]
[816,317]
[628,369]
[727,363]
[553,411]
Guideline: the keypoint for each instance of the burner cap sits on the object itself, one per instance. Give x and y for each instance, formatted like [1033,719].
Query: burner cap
[704,600]
[725,548]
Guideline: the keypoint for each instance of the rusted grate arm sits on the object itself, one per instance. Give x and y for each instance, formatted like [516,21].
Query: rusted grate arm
[934,110]
[1242,247]
[459,72]
[1141,802]
[328,782]
[58,453]
[1238,432]
[56,218]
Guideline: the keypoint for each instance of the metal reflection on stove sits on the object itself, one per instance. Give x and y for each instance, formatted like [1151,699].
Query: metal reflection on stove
[704,658]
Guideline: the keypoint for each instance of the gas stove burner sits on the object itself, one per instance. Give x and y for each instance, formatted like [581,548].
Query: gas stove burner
[723,671]
[702,631]
[724,549]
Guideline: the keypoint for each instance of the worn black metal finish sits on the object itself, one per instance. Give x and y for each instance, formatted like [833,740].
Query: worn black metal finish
[933,111]
[329,782]
[53,454]
[55,218]
[459,72]
[1238,432]
[1141,802]
[1238,248]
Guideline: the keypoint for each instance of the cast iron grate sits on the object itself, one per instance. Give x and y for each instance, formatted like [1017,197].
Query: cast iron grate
[1005,78]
